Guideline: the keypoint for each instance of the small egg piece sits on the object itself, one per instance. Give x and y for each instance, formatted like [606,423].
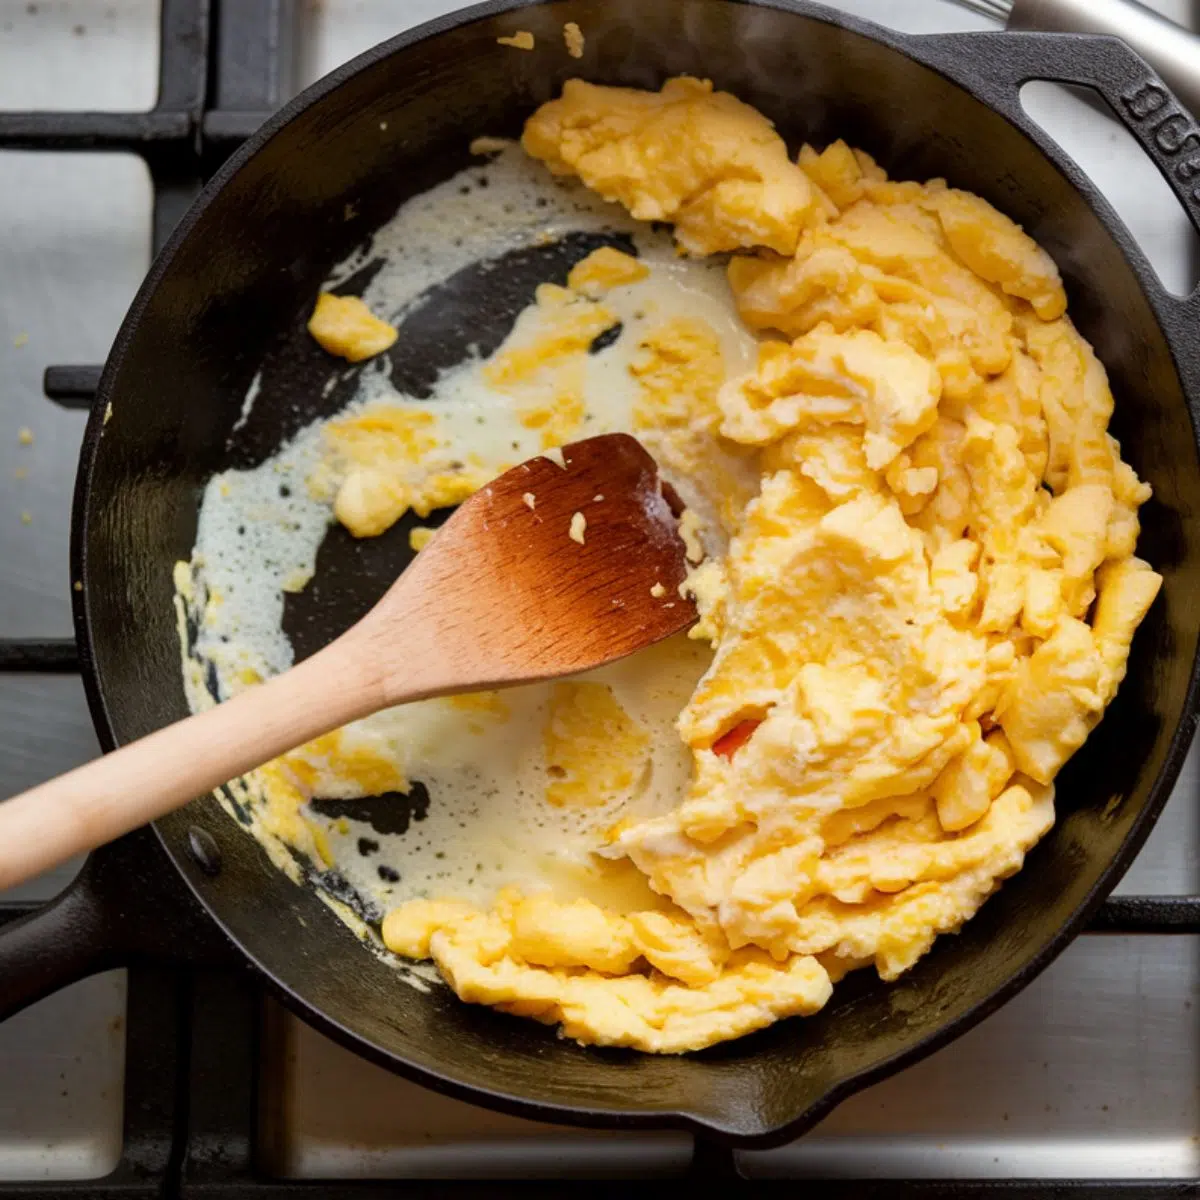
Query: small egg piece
[604,269]
[521,40]
[573,39]
[345,326]
[420,537]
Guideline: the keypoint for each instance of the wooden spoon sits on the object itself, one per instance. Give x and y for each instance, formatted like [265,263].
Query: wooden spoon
[504,594]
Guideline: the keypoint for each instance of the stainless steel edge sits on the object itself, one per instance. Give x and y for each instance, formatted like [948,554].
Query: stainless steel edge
[1172,50]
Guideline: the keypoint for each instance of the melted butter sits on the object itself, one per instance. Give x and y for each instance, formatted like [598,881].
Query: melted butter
[489,823]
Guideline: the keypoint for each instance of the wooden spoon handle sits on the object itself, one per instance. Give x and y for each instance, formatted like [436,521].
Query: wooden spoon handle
[146,779]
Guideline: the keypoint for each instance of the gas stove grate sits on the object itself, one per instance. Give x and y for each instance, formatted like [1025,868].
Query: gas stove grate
[194,1015]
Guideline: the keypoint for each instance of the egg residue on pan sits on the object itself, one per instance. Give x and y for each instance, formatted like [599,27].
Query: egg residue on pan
[482,791]
[917,594]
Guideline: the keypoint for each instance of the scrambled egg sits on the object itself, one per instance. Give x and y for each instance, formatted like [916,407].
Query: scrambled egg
[419,537]
[389,459]
[603,270]
[594,750]
[913,546]
[571,964]
[383,462]
[699,158]
[345,326]
[521,40]
[924,603]
[573,39]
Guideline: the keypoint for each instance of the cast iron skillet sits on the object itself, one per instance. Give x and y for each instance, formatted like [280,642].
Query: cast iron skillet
[230,293]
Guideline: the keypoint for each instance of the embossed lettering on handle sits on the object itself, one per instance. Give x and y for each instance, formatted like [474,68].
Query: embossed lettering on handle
[1167,132]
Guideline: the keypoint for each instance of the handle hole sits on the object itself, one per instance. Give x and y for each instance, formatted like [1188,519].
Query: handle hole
[1080,121]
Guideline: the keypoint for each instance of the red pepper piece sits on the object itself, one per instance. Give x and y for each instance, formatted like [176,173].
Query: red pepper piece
[732,740]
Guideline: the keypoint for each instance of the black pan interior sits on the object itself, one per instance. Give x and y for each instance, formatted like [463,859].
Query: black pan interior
[233,294]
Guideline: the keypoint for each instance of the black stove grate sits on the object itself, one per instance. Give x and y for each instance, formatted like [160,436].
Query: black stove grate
[194,1014]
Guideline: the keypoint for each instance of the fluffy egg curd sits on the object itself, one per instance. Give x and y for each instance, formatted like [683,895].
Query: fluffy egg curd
[914,548]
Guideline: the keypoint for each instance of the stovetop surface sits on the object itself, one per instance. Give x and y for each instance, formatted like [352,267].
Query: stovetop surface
[1092,1072]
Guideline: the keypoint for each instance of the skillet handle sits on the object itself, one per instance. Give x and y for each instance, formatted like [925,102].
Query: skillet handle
[63,941]
[126,906]
[1172,50]
[995,66]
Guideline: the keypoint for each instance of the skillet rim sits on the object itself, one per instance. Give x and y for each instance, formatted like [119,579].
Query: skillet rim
[923,49]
